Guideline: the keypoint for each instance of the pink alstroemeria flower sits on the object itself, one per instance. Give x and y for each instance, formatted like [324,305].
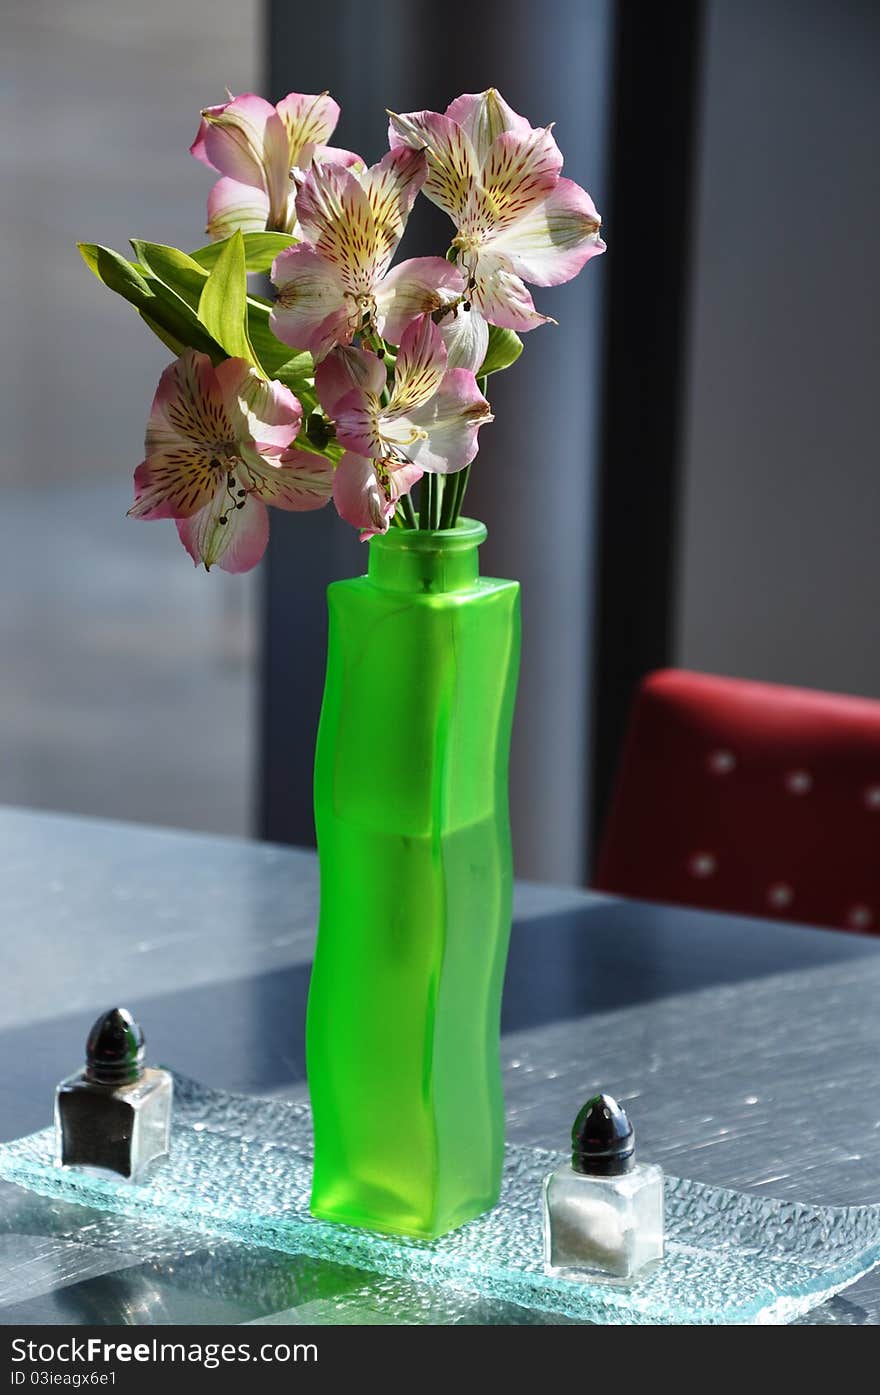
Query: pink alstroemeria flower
[337,283]
[254,146]
[430,422]
[499,180]
[218,450]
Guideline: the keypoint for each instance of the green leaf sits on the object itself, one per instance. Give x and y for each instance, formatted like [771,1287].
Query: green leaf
[174,269]
[504,349]
[170,340]
[166,314]
[186,277]
[167,287]
[223,307]
[260,250]
[116,273]
[298,374]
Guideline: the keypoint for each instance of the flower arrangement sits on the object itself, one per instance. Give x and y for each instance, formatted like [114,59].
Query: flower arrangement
[359,379]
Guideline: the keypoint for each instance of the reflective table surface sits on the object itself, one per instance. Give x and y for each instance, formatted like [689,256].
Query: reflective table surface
[746,1052]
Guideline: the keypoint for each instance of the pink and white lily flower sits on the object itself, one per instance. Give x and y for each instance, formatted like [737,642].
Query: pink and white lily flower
[218,450]
[499,180]
[254,146]
[430,422]
[337,284]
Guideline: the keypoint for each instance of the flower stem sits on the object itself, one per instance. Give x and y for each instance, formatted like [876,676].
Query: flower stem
[450,494]
[461,483]
[427,502]
[406,507]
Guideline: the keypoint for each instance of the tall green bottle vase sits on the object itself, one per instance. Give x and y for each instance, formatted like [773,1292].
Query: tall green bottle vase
[411,808]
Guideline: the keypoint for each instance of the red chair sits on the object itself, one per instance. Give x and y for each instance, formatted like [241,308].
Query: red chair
[751,798]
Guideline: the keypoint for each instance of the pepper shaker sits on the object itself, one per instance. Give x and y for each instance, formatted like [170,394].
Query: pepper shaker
[115,1114]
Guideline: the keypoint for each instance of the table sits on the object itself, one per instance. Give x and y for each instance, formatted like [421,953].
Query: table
[745,1050]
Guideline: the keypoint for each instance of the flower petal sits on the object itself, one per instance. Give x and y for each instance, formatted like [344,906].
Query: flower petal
[311,311]
[552,241]
[335,155]
[300,481]
[413,288]
[246,140]
[175,482]
[188,405]
[266,413]
[232,205]
[236,136]
[309,120]
[358,496]
[391,187]
[199,145]
[421,364]
[345,370]
[518,173]
[336,216]
[483,116]
[235,545]
[452,165]
[502,298]
[403,479]
[357,424]
[466,336]
[445,428]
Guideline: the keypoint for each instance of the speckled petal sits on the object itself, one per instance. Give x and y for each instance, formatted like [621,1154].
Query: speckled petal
[453,168]
[309,120]
[335,215]
[188,421]
[518,174]
[554,239]
[391,187]
[421,364]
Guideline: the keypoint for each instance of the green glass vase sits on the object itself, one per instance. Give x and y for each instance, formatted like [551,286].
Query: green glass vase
[413,829]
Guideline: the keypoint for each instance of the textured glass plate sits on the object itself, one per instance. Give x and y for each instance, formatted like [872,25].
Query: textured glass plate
[241,1168]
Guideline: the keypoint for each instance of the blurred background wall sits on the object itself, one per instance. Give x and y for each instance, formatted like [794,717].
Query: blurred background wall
[127,678]
[780,561]
[132,686]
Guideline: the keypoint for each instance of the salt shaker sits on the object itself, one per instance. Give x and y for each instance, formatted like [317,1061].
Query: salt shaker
[603,1211]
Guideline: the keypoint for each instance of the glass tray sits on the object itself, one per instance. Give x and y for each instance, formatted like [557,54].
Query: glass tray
[240,1168]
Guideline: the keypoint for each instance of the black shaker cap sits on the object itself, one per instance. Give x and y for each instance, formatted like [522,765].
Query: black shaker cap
[602,1139]
[115,1049]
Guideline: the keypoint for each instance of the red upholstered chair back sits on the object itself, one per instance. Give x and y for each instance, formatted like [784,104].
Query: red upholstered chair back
[751,798]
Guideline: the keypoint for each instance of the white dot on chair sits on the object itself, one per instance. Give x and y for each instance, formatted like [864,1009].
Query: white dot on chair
[860,917]
[872,797]
[799,782]
[722,762]
[702,864]
[780,895]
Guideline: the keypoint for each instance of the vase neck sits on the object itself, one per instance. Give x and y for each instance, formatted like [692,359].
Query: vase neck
[416,561]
